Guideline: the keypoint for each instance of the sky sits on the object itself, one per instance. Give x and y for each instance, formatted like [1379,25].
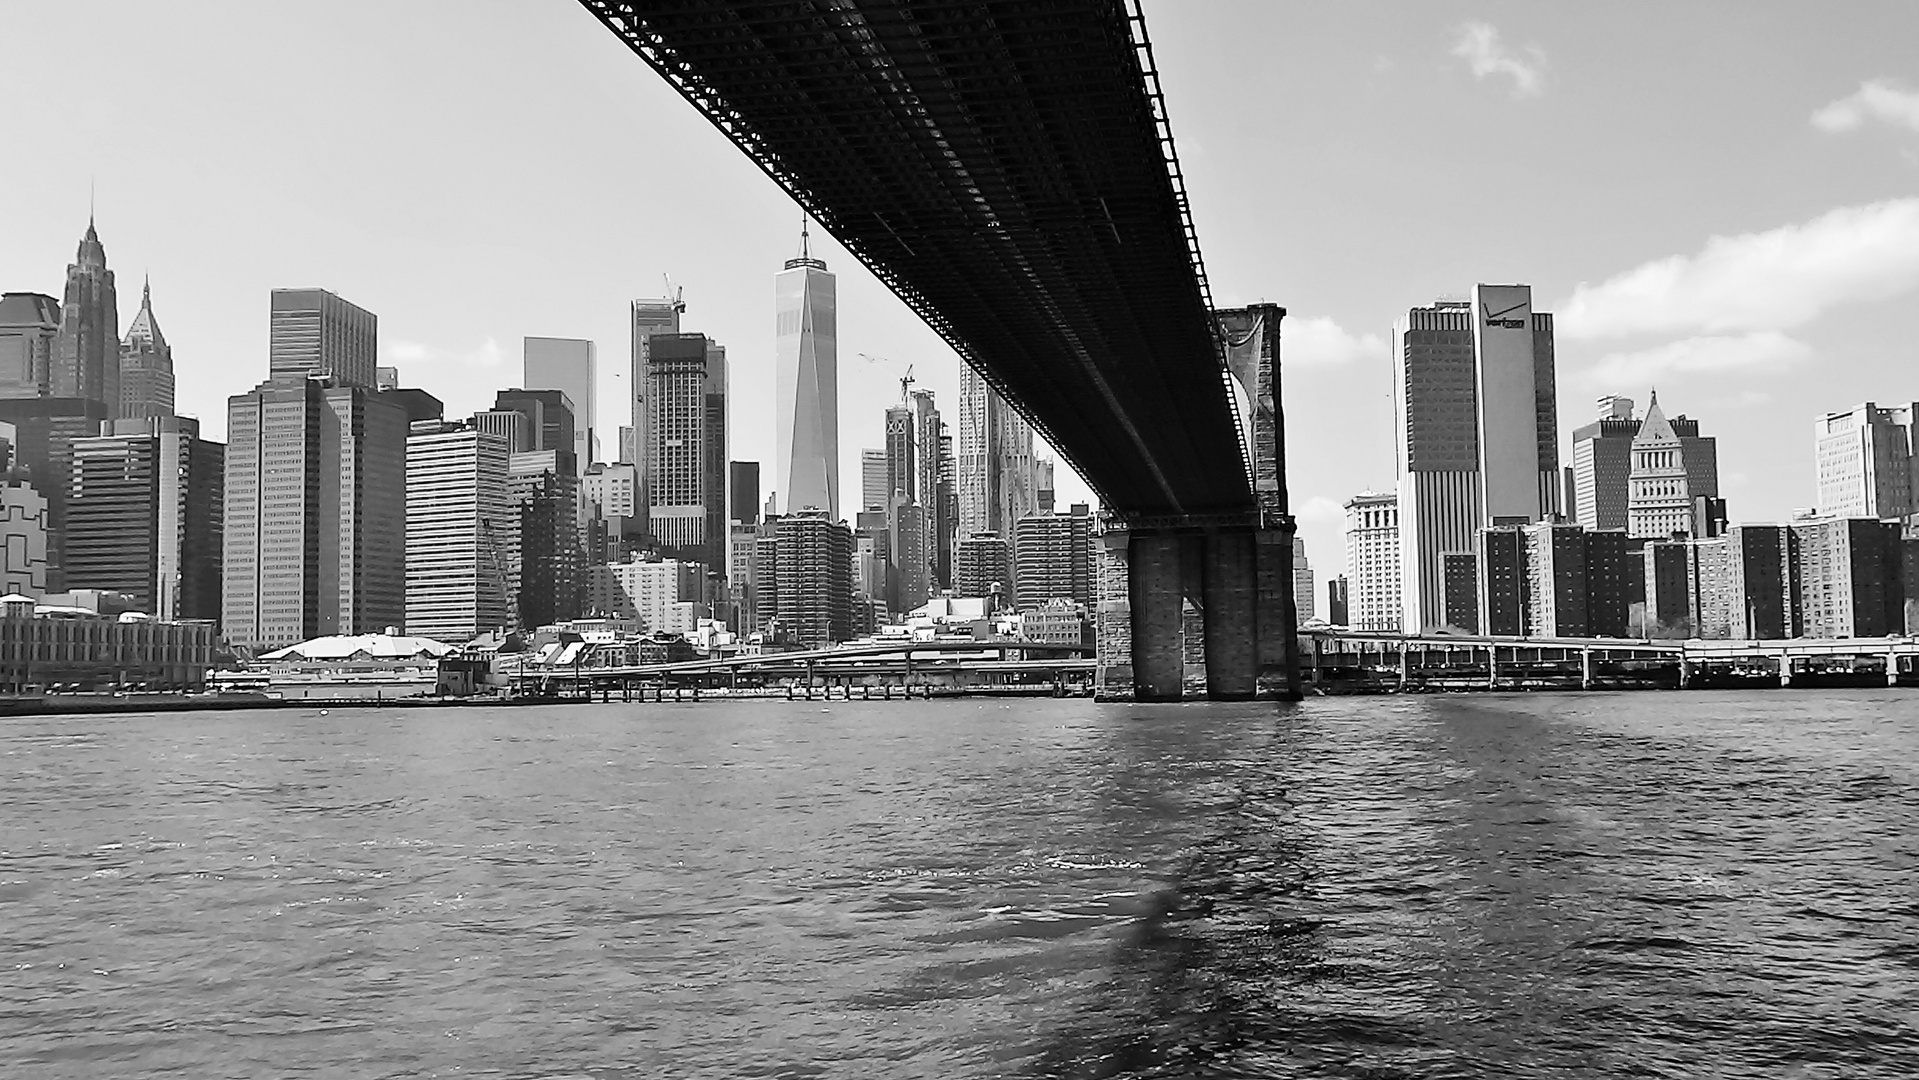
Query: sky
[1717,200]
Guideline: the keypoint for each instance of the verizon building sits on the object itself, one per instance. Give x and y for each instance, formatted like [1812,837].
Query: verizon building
[1475,413]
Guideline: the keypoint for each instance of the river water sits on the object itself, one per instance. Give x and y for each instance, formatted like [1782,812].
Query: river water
[1639,884]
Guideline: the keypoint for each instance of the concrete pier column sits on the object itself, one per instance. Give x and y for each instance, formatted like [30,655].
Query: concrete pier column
[1159,617]
[1785,669]
[1892,668]
[1492,665]
[1113,615]
[1405,671]
[1230,590]
[1319,660]
[1685,672]
[1586,668]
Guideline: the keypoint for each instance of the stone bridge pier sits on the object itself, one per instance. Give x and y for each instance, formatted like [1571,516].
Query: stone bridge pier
[1194,612]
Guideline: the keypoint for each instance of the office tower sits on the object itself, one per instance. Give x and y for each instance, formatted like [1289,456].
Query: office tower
[902,458]
[1339,602]
[1865,462]
[613,489]
[1602,466]
[86,351]
[946,511]
[1372,561]
[766,577]
[873,482]
[873,539]
[549,416]
[912,564]
[926,451]
[1476,420]
[314,332]
[1555,580]
[461,533]
[1053,558]
[23,537]
[1505,581]
[315,520]
[144,516]
[146,365]
[743,492]
[572,366]
[686,454]
[515,426]
[1708,517]
[29,325]
[742,576]
[1671,466]
[981,565]
[662,594]
[647,319]
[815,578]
[544,491]
[1045,495]
[995,467]
[1850,577]
[45,429]
[806,347]
[1303,585]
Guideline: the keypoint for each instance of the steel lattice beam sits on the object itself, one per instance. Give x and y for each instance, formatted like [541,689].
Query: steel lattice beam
[1006,168]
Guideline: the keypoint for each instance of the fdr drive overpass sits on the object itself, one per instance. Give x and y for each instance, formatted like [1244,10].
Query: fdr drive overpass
[1006,167]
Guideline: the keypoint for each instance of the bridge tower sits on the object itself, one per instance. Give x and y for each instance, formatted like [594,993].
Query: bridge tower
[1201,606]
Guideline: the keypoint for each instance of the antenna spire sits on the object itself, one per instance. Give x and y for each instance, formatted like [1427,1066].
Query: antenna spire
[804,253]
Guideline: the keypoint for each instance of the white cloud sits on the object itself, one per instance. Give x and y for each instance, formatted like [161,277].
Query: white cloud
[399,352]
[1480,46]
[1708,355]
[1772,280]
[1320,508]
[1319,342]
[1876,99]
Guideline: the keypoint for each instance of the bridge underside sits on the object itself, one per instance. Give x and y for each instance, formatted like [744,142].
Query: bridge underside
[1006,168]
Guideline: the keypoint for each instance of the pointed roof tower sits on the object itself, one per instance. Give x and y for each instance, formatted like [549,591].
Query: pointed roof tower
[144,331]
[1655,428]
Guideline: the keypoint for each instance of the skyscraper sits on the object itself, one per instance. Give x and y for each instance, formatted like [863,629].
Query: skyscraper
[29,326]
[982,566]
[549,417]
[146,365]
[461,533]
[315,518]
[144,516]
[743,492]
[571,365]
[806,346]
[1304,587]
[1602,466]
[544,491]
[1372,562]
[874,489]
[686,454]
[314,332]
[1476,419]
[1865,461]
[902,468]
[994,470]
[647,319]
[86,360]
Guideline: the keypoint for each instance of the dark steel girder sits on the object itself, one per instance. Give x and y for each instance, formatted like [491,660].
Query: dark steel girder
[1005,167]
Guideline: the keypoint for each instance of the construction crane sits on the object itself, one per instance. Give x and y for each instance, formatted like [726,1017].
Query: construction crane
[674,293]
[906,380]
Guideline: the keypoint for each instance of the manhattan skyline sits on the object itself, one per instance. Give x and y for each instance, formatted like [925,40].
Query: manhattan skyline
[1745,244]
